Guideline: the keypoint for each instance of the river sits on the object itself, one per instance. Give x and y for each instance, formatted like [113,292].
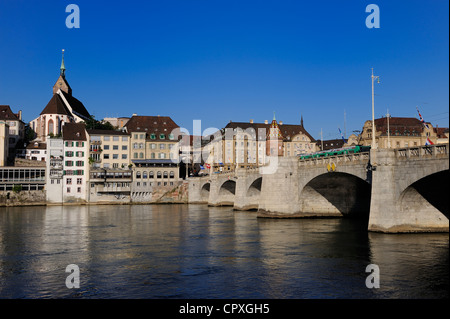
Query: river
[195,251]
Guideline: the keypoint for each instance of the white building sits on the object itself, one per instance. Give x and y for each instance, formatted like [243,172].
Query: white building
[75,163]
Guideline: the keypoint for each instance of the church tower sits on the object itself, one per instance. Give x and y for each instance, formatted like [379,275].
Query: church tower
[62,108]
[61,83]
[274,140]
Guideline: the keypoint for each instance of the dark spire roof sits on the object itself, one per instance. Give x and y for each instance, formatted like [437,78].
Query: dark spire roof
[56,106]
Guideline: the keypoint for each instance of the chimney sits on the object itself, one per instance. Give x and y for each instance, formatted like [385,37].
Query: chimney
[251,121]
[134,114]
[20,115]
[266,122]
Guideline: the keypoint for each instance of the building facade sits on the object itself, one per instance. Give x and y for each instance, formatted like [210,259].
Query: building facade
[16,129]
[154,153]
[4,143]
[398,132]
[109,149]
[250,143]
[75,163]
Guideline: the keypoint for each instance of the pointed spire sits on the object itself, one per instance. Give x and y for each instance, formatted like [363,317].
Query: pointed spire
[63,68]
[274,116]
[301,121]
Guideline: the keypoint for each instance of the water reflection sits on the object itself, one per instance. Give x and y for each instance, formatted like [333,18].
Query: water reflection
[195,251]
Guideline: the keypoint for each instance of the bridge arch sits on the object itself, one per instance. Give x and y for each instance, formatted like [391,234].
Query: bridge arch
[336,194]
[255,188]
[428,195]
[227,188]
[204,193]
[227,193]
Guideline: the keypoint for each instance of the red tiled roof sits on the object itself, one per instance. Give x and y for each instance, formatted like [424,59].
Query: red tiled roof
[156,125]
[74,132]
[6,114]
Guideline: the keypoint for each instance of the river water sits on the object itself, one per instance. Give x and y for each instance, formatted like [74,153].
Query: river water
[195,251]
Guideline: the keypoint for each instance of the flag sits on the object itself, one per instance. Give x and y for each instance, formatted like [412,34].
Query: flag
[341,135]
[207,166]
[429,142]
[201,167]
[421,118]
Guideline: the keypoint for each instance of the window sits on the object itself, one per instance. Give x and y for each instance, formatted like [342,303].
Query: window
[144,174]
[172,174]
[162,146]
[141,145]
[106,147]
[79,181]
[142,136]
[115,147]
[141,155]
[162,155]
[152,136]
[124,156]
[135,145]
[124,147]
[138,174]
[106,138]
[171,137]
[69,181]
[158,174]
[105,156]
[68,189]
[153,146]
[115,138]
[115,156]
[165,174]
[124,138]
[153,155]
[151,174]
[135,136]
[135,155]
[162,136]
[79,189]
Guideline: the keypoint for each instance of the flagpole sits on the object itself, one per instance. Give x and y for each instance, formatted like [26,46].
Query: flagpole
[374,145]
[388,132]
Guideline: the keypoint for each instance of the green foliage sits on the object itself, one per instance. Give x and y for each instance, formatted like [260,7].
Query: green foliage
[92,123]
[17,188]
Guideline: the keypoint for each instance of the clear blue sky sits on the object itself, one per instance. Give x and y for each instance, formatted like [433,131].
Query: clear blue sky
[217,60]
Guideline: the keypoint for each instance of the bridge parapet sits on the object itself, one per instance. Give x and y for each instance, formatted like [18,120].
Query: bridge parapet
[349,159]
[438,150]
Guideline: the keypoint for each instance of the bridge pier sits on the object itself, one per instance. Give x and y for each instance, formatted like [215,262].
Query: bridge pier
[279,190]
[397,204]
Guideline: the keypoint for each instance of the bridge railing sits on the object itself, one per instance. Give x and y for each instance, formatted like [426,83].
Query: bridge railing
[342,158]
[437,150]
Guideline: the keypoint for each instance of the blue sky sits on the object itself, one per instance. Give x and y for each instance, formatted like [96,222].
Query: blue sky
[216,60]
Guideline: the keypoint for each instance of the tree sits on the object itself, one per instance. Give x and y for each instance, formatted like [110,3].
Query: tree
[92,123]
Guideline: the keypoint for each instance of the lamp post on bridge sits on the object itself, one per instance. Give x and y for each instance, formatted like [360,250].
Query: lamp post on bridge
[374,145]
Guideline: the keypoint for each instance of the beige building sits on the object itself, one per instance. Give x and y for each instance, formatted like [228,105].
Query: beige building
[249,143]
[4,143]
[109,149]
[154,154]
[398,132]
[16,129]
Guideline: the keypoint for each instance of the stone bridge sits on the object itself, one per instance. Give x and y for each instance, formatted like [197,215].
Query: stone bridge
[397,190]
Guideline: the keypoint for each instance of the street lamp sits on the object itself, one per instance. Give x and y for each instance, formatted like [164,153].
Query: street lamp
[374,145]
